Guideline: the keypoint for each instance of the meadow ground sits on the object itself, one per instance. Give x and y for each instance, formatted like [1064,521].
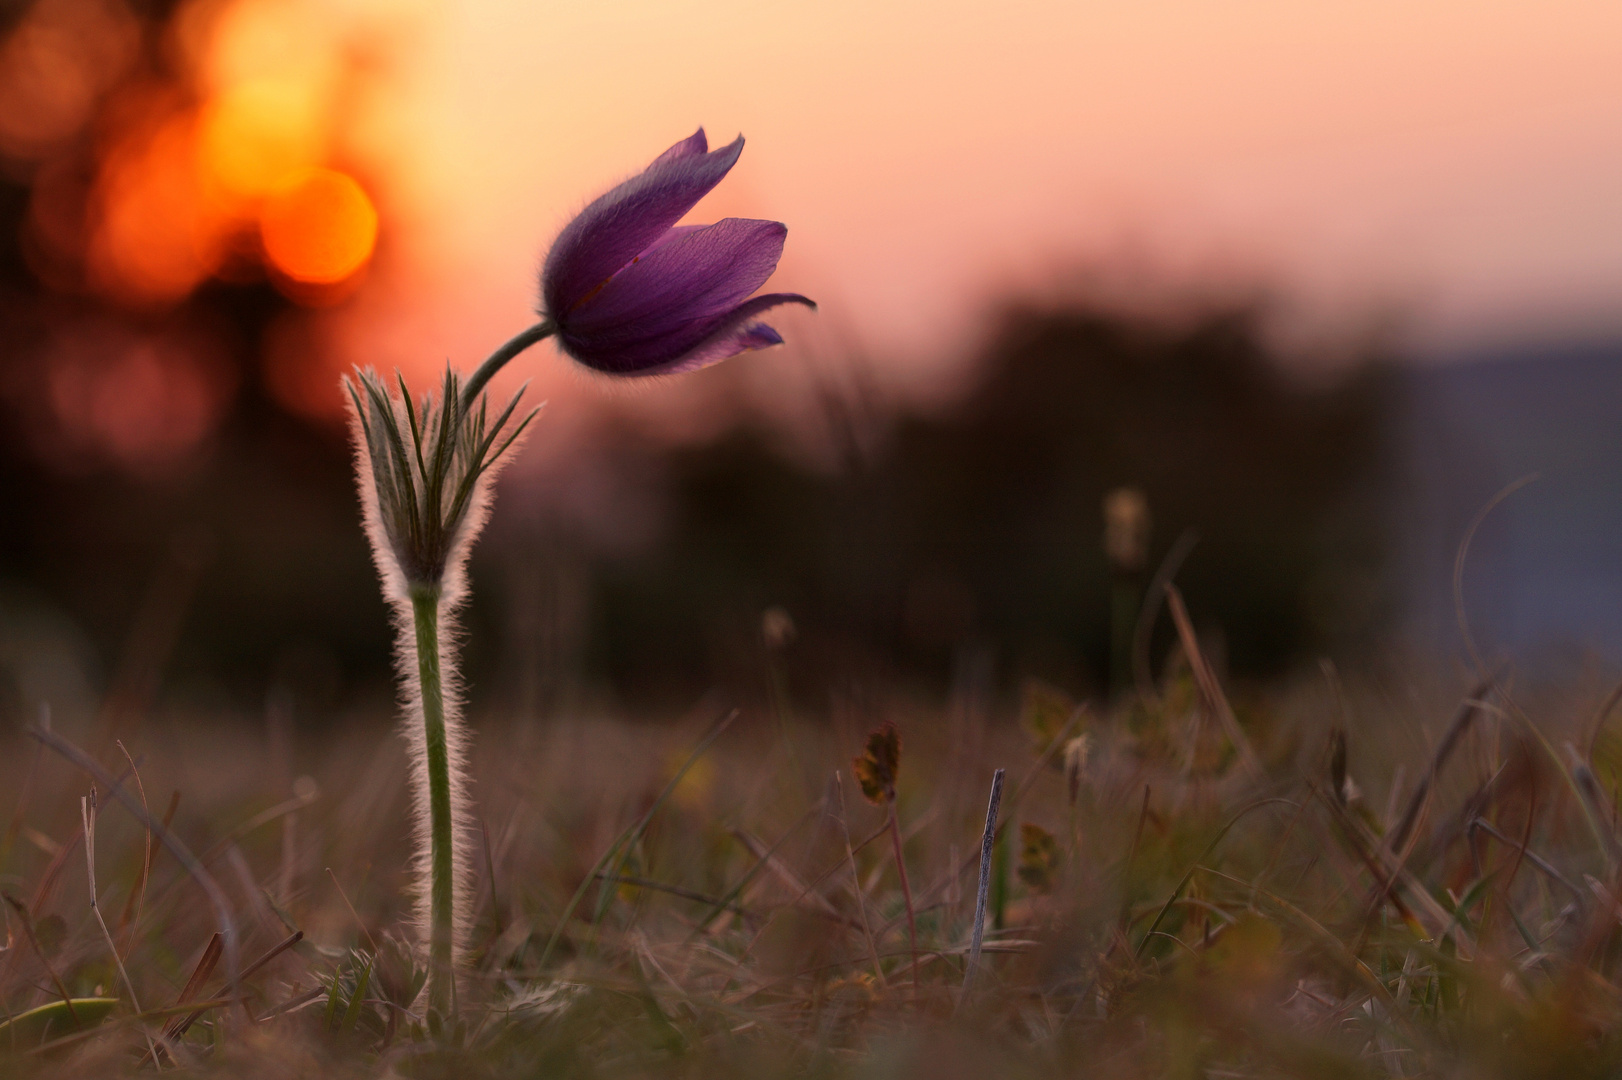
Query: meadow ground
[1385,878]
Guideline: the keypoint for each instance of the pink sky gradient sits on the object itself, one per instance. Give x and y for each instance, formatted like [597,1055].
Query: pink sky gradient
[1457,164]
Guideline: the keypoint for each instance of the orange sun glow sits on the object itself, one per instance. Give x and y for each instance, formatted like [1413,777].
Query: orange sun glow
[320,228]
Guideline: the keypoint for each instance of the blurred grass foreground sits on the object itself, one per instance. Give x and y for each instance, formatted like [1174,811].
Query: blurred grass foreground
[1324,881]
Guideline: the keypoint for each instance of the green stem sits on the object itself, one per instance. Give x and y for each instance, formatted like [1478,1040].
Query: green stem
[441,863]
[498,359]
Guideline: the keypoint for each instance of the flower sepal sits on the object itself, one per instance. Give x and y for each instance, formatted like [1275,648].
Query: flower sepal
[424,469]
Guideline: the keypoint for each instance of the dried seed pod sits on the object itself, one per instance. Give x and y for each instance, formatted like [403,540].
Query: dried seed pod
[876,769]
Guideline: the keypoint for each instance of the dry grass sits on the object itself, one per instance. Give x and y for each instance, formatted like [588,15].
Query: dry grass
[1196,889]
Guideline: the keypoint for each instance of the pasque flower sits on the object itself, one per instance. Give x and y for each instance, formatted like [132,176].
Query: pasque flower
[626,291]
[633,293]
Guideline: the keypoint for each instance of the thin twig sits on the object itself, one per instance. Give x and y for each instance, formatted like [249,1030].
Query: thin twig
[1597,725]
[1149,613]
[264,817]
[856,889]
[906,895]
[1603,830]
[619,850]
[295,1002]
[139,893]
[194,985]
[127,918]
[1210,688]
[205,880]
[1468,710]
[928,897]
[1459,612]
[1131,857]
[1531,856]
[1388,872]
[352,911]
[181,1026]
[496,928]
[804,892]
[87,816]
[1400,843]
[27,919]
[736,891]
[988,841]
[677,890]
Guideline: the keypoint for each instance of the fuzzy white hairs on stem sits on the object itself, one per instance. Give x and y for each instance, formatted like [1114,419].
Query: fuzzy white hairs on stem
[424,474]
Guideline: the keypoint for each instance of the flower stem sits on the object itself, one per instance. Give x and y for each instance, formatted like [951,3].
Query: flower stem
[906,895]
[498,359]
[441,864]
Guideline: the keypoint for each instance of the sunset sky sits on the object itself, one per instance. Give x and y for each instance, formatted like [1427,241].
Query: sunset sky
[1457,165]
[1448,172]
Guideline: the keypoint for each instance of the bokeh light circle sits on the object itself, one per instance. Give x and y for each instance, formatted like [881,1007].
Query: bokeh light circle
[319,228]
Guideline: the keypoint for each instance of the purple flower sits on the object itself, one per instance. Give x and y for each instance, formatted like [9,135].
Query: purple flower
[633,293]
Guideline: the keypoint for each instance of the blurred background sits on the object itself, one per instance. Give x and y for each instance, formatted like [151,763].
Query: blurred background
[1281,294]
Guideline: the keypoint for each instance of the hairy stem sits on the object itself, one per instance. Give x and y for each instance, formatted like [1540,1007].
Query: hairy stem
[441,863]
[498,359]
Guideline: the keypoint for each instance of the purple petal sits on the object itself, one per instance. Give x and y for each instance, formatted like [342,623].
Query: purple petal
[691,146]
[690,275]
[675,232]
[727,343]
[686,347]
[629,219]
